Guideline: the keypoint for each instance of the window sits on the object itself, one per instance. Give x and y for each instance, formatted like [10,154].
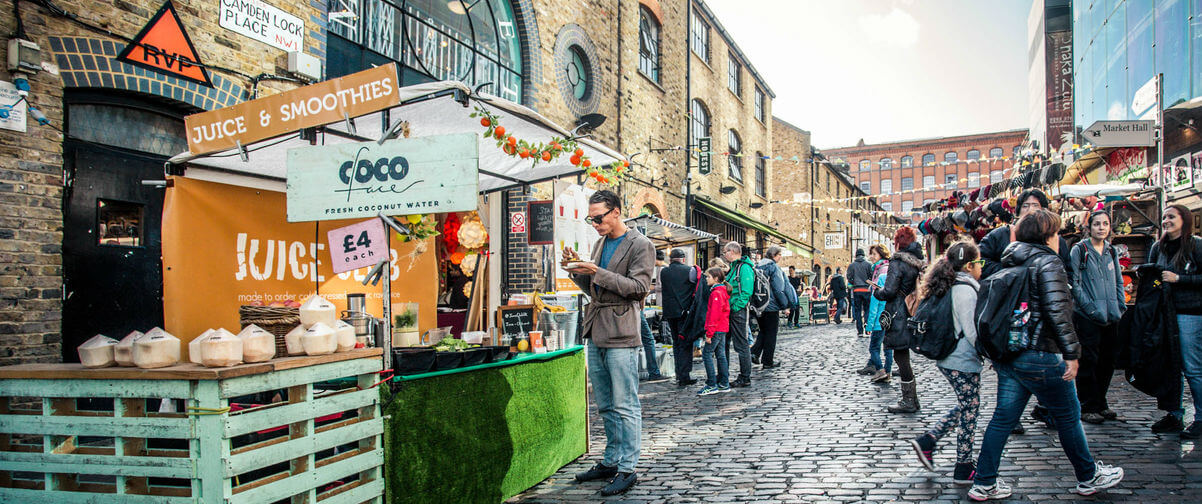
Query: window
[828,182]
[888,206]
[734,147]
[699,125]
[907,161]
[759,104]
[118,223]
[995,176]
[886,186]
[579,74]
[734,75]
[761,172]
[974,180]
[907,184]
[886,164]
[928,159]
[907,205]
[950,157]
[866,187]
[699,41]
[928,182]
[995,153]
[865,164]
[648,44]
[973,154]
[1017,149]
[949,181]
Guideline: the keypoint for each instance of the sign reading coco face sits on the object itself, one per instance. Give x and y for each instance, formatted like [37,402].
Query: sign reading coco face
[271,116]
[262,22]
[410,176]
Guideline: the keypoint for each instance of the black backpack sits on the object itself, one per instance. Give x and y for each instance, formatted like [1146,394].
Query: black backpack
[997,299]
[761,290]
[933,327]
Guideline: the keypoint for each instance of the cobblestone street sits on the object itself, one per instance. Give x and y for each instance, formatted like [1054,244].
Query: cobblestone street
[814,431]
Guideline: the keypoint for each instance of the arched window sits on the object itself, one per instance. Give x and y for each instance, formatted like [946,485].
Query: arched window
[734,147]
[995,153]
[761,175]
[995,176]
[928,159]
[950,157]
[907,161]
[865,164]
[974,180]
[973,154]
[648,44]
[699,126]
[1017,149]
[886,164]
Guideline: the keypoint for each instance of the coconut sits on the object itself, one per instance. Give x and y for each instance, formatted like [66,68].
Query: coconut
[317,309]
[293,340]
[123,353]
[194,345]
[97,352]
[258,345]
[346,335]
[155,349]
[320,339]
[221,349]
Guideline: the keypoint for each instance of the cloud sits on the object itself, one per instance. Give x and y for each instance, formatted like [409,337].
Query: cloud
[897,28]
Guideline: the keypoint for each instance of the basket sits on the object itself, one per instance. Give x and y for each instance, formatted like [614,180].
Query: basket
[273,319]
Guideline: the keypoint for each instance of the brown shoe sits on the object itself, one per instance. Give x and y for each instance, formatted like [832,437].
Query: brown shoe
[881,376]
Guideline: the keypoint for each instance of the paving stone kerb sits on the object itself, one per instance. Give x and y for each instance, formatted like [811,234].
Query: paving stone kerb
[814,431]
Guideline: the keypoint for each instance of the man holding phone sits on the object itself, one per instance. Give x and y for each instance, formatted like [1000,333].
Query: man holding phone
[616,280]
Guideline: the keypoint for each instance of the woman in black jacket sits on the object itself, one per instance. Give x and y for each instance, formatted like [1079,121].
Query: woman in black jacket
[1179,254]
[1046,369]
[904,269]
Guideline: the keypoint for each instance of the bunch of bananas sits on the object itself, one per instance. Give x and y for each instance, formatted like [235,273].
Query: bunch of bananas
[540,305]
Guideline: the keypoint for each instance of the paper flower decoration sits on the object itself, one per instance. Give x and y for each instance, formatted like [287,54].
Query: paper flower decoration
[472,235]
[468,266]
[450,231]
[457,258]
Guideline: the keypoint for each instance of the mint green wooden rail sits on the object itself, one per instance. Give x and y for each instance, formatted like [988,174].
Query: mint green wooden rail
[53,451]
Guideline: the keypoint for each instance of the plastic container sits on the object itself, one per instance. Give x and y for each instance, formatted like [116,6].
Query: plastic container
[474,337]
[447,360]
[408,361]
[475,356]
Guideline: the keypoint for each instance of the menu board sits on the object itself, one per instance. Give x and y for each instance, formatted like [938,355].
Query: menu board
[540,222]
[518,319]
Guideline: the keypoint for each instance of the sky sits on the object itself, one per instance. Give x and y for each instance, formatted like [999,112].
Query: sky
[886,70]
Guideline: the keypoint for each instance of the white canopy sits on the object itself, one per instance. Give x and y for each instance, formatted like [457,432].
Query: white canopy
[1086,190]
[430,109]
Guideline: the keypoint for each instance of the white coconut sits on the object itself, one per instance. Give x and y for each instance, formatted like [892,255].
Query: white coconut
[292,340]
[155,349]
[221,349]
[258,345]
[194,345]
[346,335]
[317,309]
[123,353]
[97,352]
[320,339]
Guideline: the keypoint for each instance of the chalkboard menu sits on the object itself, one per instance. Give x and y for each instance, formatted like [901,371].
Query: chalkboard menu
[540,222]
[518,319]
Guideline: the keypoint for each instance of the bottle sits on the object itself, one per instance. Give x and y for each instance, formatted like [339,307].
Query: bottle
[1018,338]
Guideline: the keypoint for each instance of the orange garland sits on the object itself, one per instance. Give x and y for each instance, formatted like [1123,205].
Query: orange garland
[606,175]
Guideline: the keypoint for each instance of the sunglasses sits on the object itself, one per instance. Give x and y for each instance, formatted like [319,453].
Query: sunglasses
[597,219]
[978,262]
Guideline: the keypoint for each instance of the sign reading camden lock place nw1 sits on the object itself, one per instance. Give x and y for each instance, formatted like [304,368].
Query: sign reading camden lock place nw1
[402,177]
[304,107]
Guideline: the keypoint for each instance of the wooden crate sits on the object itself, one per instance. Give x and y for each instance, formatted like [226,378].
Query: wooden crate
[75,435]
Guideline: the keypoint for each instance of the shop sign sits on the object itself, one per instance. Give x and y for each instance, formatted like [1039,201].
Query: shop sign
[163,46]
[703,157]
[541,215]
[1120,133]
[1059,69]
[265,23]
[358,245]
[1181,177]
[304,107]
[419,175]
[517,222]
[15,120]
[834,240]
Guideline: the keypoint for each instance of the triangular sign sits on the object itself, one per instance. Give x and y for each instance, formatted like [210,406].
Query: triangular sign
[164,46]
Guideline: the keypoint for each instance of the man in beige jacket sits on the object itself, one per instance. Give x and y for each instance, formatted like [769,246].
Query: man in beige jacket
[616,280]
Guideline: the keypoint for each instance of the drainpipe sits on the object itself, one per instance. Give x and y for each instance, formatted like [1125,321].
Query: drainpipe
[688,94]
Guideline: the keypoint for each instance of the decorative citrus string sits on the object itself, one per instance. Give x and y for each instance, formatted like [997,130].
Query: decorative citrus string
[537,152]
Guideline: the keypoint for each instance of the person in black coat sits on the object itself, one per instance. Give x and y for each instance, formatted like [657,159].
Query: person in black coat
[679,284]
[904,269]
[996,241]
[1179,254]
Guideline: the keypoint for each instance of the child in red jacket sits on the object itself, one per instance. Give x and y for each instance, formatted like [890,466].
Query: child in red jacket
[717,323]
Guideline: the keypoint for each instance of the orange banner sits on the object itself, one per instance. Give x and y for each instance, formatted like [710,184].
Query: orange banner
[225,246]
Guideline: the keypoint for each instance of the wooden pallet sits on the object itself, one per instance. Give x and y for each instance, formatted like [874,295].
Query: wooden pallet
[73,435]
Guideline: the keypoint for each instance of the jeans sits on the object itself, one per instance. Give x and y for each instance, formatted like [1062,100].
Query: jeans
[1099,345]
[682,351]
[840,306]
[765,344]
[859,310]
[874,352]
[967,387]
[1038,373]
[713,351]
[737,337]
[614,373]
[1190,329]
[794,317]
[649,349]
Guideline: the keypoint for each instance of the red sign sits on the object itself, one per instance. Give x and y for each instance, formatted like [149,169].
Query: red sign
[164,46]
[358,245]
[517,222]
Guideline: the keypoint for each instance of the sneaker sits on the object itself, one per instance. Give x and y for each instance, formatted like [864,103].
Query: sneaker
[620,484]
[1104,476]
[866,370]
[1168,424]
[685,383]
[1109,414]
[657,379]
[924,447]
[755,359]
[1018,429]
[1193,432]
[707,390]
[1093,418]
[741,382]
[1041,414]
[598,471]
[723,388]
[964,473]
[981,493]
[881,376]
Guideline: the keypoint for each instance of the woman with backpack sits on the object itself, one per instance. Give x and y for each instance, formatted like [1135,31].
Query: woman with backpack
[956,274]
[1179,254]
[1043,350]
[904,269]
[880,371]
[1099,303]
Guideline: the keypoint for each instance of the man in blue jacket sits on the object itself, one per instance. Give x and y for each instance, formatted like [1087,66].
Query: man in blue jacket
[783,298]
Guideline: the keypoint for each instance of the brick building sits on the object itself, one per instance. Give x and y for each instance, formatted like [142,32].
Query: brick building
[910,173]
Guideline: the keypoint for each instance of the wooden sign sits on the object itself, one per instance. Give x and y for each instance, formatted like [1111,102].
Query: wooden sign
[304,107]
[517,319]
[357,245]
[540,224]
[164,47]
[402,177]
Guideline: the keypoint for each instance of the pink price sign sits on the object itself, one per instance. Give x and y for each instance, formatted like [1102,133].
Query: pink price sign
[358,245]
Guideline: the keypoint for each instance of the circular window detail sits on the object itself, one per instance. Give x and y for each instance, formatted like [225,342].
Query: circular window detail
[575,70]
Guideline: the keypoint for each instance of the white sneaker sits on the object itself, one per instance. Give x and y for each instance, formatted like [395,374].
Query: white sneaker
[981,493]
[1104,476]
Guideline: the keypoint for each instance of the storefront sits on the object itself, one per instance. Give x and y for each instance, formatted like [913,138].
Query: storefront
[732,225]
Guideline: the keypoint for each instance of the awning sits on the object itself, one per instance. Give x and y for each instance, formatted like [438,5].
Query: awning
[668,232]
[430,109]
[1086,190]
[741,219]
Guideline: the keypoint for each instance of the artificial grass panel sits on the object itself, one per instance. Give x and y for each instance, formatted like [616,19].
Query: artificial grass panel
[484,436]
